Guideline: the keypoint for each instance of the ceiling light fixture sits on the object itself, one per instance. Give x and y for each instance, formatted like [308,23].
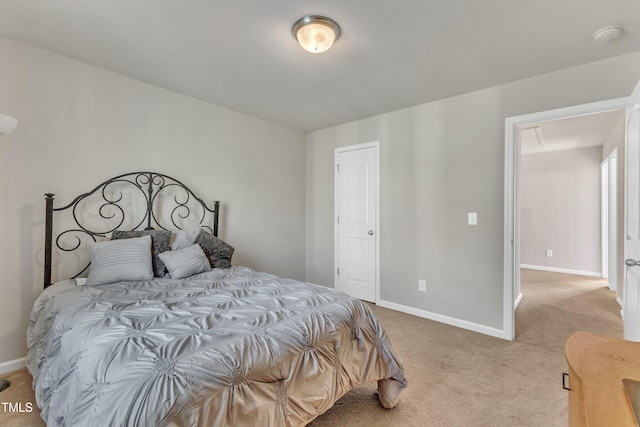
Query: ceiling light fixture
[606,34]
[316,34]
[7,124]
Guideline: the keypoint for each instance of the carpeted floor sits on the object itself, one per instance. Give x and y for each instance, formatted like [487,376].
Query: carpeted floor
[457,377]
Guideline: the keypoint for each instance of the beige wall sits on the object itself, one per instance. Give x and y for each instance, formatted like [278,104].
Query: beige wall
[80,125]
[439,161]
[560,210]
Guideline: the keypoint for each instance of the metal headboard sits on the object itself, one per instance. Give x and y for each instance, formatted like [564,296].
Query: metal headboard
[112,206]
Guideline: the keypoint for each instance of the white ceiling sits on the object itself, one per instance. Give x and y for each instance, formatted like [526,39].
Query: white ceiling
[591,130]
[240,54]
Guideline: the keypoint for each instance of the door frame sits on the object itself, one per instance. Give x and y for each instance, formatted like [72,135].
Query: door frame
[336,198]
[604,219]
[609,215]
[630,294]
[511,234]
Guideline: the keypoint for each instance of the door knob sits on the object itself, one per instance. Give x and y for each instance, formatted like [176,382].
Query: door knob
[370,233]
[631,263]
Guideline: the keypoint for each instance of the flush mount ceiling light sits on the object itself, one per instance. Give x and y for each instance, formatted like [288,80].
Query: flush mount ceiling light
[606,34]
[316,34]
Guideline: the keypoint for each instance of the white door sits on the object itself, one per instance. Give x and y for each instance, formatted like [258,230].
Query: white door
[356,219]
[609,225]
[604,218]
[613,264]
[631,291]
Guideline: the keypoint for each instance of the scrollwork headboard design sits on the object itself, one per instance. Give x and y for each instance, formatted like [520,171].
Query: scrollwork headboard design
[132,201]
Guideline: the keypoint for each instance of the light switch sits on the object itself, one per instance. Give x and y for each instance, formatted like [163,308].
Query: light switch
[473,218]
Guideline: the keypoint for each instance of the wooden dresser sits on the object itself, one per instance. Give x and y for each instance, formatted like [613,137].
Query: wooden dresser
[597,365]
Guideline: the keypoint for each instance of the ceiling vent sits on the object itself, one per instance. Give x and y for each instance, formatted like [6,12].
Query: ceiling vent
[532,137]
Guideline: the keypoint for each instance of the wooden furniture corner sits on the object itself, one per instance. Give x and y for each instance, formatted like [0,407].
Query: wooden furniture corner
[597,366]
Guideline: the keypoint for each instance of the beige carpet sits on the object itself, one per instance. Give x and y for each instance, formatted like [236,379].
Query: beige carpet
[457,377]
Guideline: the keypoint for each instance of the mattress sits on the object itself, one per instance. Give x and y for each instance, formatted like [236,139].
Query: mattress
[228,347]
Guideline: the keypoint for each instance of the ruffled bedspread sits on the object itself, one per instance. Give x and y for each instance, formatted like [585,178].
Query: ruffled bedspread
[229,347]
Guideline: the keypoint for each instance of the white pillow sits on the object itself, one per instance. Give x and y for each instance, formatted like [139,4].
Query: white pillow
[185,262]
[185,238]
[124,260]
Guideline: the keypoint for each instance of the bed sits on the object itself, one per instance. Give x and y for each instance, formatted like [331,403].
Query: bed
[125,341]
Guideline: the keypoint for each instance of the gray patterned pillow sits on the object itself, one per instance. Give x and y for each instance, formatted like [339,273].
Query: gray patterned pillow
[217,251]
[159,243]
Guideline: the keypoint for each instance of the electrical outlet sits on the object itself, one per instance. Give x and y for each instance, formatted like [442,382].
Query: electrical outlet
[422,285]
[549,253]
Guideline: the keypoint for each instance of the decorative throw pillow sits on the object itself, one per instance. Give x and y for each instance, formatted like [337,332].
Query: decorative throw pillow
[185,262]
[217,251]
[159,241]
[185,238]
[120,261]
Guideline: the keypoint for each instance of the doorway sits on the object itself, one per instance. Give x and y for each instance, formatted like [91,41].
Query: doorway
[562,188]
[512,218]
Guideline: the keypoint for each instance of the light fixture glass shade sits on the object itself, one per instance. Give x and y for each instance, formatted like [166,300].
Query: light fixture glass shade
[7,124]
[316,34]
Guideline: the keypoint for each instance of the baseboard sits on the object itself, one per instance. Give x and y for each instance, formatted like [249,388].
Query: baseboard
[12,365]
[518,301]
[562,270]
[475,327]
